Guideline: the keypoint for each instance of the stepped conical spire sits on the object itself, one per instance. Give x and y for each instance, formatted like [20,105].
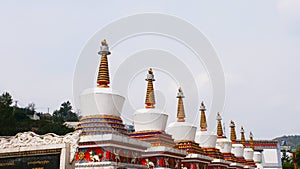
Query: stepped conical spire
[232,132]
[203,124]
[180,109]
[243,140]
[251,141]
[220,129]
[103,74]
[150,99]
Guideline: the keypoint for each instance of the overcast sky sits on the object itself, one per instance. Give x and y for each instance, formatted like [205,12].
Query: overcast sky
[257,43]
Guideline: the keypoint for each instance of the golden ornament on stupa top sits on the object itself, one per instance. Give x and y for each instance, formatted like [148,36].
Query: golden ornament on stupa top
[180,108]
[203,123]
[243,140]
[150,98]
[103,73]
[219,128]
[232,132]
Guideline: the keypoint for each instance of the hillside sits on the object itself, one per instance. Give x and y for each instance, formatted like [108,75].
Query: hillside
[293,141]
[15,119]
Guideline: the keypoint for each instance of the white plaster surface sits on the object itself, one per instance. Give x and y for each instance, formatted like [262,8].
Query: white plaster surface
[206,139]
[224,145]
[248,153]
[237,150]
[270,156]
[257,157]
[99,101]
[150,119]
[182,131]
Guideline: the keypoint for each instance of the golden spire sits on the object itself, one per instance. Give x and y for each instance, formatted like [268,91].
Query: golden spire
[150,99]
[232,132]
[103,74]
[180,109]
[203,124]
[220,130]
[243,140]
[251,141]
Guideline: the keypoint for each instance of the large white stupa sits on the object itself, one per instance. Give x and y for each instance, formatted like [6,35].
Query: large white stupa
[206,139]
[249,152]
[180,129]
[237,148]
[223,144]
[150,118]
[104,142]
[101,107]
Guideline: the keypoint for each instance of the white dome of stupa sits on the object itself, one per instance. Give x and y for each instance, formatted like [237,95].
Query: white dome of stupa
[237,150]
[257,157]
[206,139]
[180,129]
[101,101]
[150,119]
[248,153]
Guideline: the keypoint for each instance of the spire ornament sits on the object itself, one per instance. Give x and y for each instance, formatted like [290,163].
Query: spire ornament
[251,141]
[243,140]
[103,74]
[232,132]
[150,99]
[180,109]
[203,123]
[219,130]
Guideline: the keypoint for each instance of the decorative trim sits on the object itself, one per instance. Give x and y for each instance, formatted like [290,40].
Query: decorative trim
[31,139]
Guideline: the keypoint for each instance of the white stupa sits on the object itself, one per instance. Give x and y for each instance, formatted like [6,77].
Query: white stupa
[237,149]
[206,139]
[150,118]
[180,129]
[101,106]
[249,152]
[223,144]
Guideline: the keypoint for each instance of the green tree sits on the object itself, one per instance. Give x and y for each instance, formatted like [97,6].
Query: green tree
[65,113]
[6,99]
[6,111]
[287,162]
[8,122]
[15,119]
[30,109]
[287,165]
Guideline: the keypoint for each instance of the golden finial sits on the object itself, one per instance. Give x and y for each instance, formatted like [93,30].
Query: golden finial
[251,141]
[150,99]
[243,140]
[232,132]
[220,129]
[150,71]
[104,43]
[180,109]
[203,124]
[103,74]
